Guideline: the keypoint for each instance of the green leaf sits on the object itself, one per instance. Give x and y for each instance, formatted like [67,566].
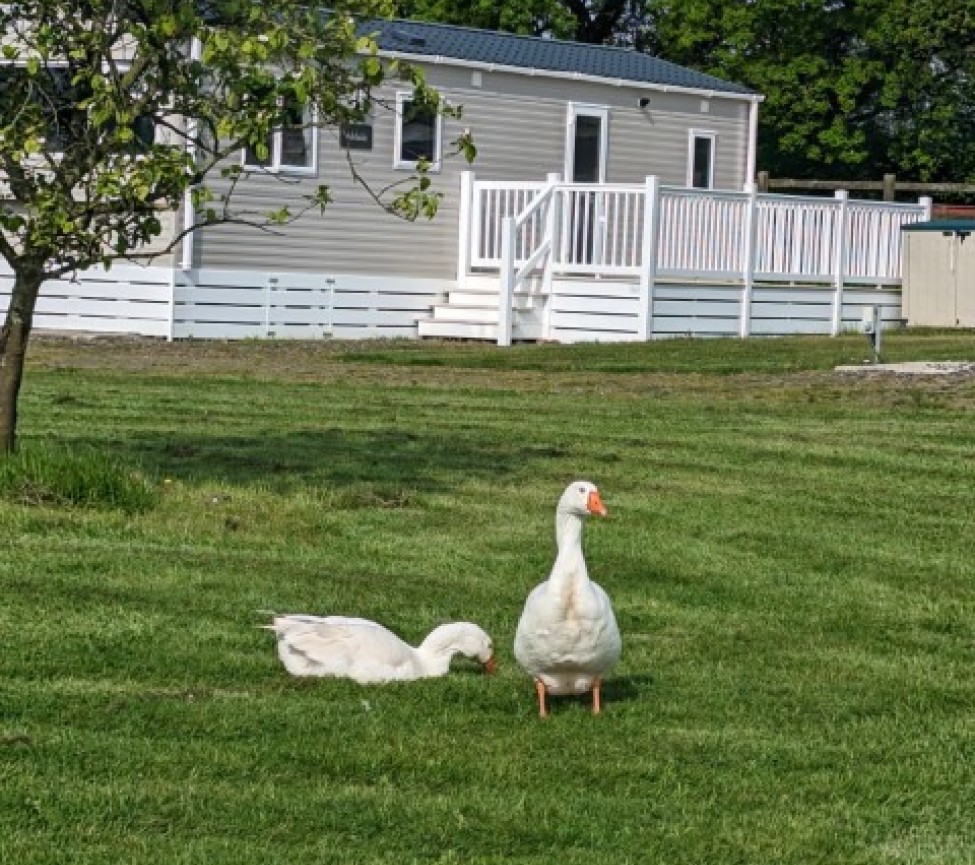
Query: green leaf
[372,69]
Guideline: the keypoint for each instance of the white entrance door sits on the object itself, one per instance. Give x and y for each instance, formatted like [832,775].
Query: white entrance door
[585,162]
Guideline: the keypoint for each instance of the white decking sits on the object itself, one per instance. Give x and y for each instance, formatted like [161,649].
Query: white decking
[610,310]
[545,261]
[562,261]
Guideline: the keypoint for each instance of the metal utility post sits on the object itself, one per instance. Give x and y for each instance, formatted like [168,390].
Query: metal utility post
[872,325]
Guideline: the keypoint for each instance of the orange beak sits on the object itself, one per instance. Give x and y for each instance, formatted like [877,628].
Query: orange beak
[595,504]
[490,665]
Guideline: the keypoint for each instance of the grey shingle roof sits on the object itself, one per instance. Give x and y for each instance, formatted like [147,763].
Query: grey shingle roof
[549,55]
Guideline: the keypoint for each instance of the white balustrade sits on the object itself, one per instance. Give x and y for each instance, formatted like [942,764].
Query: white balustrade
[701,233]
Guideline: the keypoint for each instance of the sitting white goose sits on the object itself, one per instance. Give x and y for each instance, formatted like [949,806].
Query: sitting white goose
[567,638]
[367,652]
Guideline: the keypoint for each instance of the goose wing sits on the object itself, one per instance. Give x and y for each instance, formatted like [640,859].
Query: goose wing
[344,647]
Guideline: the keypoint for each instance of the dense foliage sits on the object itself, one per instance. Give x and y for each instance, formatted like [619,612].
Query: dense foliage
[853,90]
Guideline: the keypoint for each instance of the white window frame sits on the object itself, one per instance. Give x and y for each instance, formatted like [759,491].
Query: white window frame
[274,164]
[692,136]
[402,97]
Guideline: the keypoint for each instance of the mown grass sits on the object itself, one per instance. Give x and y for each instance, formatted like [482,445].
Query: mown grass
[788,550]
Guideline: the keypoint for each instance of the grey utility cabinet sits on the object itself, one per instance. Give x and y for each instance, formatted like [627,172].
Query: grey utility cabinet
[939,273]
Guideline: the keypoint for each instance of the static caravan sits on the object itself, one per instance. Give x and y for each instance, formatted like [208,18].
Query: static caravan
[611,200]
[536,108]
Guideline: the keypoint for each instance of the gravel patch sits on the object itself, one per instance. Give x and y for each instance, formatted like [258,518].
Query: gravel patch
[915,367]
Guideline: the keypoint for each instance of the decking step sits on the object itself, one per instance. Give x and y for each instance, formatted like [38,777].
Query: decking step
[461,312]
[456,329]
[464,297]
[471,312]
[461,329]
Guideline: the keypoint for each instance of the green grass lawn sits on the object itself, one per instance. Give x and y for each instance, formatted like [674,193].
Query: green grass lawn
[789,551]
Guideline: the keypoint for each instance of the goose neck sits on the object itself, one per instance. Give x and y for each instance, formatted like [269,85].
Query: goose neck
[435,652]
[570,563]
[568,532]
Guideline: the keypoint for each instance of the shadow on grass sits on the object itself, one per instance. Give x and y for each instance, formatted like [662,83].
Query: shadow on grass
[616,689]
[622,689]
[391,459]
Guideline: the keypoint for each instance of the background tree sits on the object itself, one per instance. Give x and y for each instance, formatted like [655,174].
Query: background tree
[601,22]
[114,111]
[853,89]
[525,17]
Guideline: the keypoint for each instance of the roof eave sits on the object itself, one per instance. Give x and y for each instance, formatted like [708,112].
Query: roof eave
[571,76]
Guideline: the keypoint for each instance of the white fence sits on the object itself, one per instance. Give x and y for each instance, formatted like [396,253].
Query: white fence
[611,310]
[607,262]
[124,299]
[221,304]
[654,232]
[250,304]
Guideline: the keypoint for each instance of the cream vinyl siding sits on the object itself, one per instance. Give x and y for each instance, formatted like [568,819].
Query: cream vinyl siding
[519,127]
[354,234]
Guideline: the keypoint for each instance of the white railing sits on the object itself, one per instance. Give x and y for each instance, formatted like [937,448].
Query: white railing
[493,203]
[701,234]
[600,229]
[652,231]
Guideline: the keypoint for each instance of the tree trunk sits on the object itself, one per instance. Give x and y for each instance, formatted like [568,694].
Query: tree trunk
[13,351]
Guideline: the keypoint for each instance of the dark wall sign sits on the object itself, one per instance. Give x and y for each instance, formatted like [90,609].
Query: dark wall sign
[356,136]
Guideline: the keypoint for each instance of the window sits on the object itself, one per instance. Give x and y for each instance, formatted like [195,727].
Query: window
[50,100]
[49,97]
[290,148]
[417,133]
[587,129]
[700,161]
[144,128]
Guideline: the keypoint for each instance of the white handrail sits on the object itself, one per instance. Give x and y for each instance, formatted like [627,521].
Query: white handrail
[513,276]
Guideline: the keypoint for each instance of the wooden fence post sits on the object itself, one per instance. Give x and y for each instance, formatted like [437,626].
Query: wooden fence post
[762,178]
[648,267]
[890,187]
[748,261]
[839,261]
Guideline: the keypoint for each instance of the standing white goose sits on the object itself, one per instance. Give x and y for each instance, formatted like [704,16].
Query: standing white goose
[367,652]
[567,638]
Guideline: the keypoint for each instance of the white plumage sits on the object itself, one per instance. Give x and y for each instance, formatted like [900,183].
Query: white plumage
[367,652]
[567,638]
